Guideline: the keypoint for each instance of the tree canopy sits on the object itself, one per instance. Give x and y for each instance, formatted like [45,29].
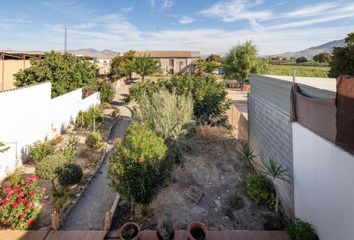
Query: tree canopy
[66,72]
[301,60]
[145,65]
[122,65]
[241,61]
[343,58]
[322,57]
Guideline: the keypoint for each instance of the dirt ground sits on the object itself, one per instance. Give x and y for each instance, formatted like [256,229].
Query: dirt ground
[214,168]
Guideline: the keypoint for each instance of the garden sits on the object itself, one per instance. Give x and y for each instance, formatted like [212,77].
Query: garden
[58,169]
[178,163]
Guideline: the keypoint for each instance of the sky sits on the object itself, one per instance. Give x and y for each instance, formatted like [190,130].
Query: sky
[209,26]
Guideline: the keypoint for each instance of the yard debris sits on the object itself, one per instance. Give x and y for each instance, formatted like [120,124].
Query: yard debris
[195,194]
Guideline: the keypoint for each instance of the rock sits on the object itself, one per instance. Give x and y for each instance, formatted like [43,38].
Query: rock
[217,203]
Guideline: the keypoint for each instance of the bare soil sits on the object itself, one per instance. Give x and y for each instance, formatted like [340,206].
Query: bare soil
[213,167]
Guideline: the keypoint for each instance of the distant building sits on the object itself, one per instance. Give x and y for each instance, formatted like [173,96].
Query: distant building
[173,62]
[11,62]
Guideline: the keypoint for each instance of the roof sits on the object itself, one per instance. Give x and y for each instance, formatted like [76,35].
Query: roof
[328,84]
[10,54]
[168,54]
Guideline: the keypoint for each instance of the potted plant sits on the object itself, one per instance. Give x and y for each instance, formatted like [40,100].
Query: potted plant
[165,229]
[130,231]
[197,231]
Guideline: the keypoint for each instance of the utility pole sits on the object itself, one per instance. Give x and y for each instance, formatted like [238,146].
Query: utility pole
[65,42]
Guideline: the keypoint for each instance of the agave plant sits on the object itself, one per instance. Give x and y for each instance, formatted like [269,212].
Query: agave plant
[276,171]
[165,228]
[246,153]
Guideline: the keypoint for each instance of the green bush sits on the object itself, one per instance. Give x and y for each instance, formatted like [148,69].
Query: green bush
[66,72]
[106,91]
[70,175]
[70,149]
[40,150]
[300,230]
[134,171]
[94,140]
[90,118]
[210,101]
[260,190]
[51,166]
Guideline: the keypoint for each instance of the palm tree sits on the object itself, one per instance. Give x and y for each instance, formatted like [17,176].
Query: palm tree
[276,171]
[145,65]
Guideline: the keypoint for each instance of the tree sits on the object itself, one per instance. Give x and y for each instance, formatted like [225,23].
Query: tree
[145,65]
[214,58]
[322,57]
[121,65]
[66,72]
[343,58]
[275,171]
[134,171]
[301,60]
[241,61]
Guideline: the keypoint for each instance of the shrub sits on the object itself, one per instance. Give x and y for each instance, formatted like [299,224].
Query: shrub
[300,230]
[94,140]
[260,190]
[134,171]
[66,72]
[164,228]
[40,150]
[70,149]
[71,175]
[90,118]
[210,101]
[170,116]
[106,91]
[246,153]
[19,203]
[51,166]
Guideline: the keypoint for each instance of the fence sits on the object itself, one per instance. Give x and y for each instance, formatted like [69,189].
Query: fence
[29,114]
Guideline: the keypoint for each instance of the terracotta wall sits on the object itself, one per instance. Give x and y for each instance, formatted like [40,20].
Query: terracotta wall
[10,68]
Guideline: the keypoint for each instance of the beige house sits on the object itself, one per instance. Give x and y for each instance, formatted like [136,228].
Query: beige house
[10,63]
[173,62]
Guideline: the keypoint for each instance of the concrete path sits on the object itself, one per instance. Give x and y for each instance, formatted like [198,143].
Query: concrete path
[98,198]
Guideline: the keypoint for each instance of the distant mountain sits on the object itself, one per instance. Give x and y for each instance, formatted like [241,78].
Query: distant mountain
[91,52]
[312,51]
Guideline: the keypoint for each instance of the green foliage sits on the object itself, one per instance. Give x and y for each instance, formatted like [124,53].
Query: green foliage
[94,140]
[90,118]
[206,66]
[241,61]
[39,150]
[122,65]
[19,204]
[301,71]
[246,153]
[209,96]
[70,175]
[343,59]
[300,230]
[275,170]
[70,149]
[145,65]
[66,72]
[51,166]
[106,91]
[3,147]
[322,57]
[134,171]
[165,228]
[214,58]
[260,190]
[301,60]
[170,116]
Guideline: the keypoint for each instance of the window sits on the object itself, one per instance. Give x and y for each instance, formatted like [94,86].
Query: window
[172,62]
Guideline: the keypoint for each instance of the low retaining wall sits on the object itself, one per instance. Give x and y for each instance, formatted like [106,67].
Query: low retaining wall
[238,122]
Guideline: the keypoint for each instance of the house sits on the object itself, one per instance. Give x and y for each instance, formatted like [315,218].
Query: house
[11,62]
[173,62]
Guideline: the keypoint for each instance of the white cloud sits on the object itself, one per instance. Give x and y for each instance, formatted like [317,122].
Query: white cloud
[186,20]
[236,10]
[311,10]
[161,4]
[167,4]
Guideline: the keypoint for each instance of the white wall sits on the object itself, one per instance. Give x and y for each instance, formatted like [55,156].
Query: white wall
[29,114]
[324,185]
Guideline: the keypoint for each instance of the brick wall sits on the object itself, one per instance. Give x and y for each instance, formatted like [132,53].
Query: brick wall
[270,134]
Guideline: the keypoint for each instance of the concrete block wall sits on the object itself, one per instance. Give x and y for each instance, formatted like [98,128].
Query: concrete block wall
[270,134]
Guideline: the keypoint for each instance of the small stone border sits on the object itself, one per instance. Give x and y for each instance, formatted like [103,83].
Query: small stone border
[88,181]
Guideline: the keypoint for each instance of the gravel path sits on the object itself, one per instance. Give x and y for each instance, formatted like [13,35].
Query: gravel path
[98,198]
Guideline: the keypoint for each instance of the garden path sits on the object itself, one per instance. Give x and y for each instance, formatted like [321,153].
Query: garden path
[98,198]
